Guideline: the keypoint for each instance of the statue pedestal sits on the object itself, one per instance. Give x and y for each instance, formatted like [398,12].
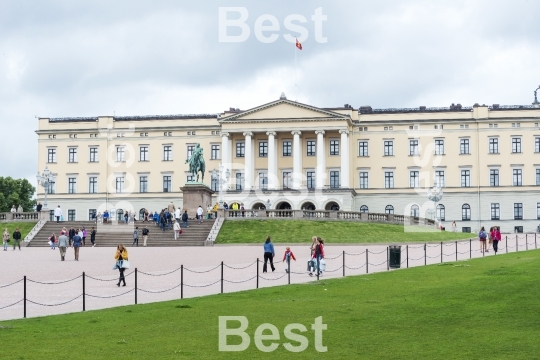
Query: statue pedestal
[195,194]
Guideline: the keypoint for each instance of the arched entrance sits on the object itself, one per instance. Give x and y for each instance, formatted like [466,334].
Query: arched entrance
[332,205]
[120,215]
[308,205]
[258,206]
[283,205]
[141,214]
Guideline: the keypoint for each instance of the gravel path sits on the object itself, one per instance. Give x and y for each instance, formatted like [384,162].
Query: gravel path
[201,273]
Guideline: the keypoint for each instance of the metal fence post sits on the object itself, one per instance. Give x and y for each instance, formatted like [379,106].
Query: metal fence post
[318,268]
[425,254]
[343,263]
[517,244]
[222,277]
[257,273]
[367,261]
[506,238]
[181,281]
[441,253]
[526,243]
[470,248]
[456,250]
[407,247]
[387,259]
[24,297]
[135,286]
[83,292]
[289,270]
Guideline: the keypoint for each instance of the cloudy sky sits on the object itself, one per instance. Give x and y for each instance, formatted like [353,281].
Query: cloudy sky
[89,58]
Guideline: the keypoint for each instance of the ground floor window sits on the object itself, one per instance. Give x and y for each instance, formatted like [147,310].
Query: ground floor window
[71,215]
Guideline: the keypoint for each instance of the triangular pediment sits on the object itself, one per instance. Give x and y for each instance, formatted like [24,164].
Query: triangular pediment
[283,110]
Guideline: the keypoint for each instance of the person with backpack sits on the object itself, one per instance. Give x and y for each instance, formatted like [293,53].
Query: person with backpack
[482,235]
[185,218]
[93,237]
[17,239]
[136,236]
[145,233]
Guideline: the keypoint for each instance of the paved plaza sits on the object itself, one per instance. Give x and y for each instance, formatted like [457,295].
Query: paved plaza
[55,287]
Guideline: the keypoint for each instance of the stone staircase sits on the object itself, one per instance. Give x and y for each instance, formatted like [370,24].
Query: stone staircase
[119,233]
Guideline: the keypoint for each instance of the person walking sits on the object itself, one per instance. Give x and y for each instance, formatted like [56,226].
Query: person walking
[200,212]
[185,218]
[121,255]
[52,241]
[136,236]
[145,233]
[93,236]
[454,226]
[58,214]
[5,238]
[126,217]
[482,235]
[496,238]
[17,239]
[83,236]
[63,243]
[171,208]
[77,241]
[268,254]
[287,257]
[318,255]
[176,230]
[71,234]
[177,215]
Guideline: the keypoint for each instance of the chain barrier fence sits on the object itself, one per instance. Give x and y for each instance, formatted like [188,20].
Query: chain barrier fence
[503,246]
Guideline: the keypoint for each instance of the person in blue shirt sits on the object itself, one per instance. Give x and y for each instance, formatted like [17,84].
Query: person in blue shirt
[268,254]
[77,241]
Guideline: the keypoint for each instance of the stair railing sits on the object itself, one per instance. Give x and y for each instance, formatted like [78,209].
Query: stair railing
[35,230]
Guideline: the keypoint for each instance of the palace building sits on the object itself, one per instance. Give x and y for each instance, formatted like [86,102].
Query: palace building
[485,158]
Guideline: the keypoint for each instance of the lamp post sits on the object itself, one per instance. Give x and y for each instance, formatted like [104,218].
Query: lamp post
[536,104]
[221,181]
[435,195]
[45,179]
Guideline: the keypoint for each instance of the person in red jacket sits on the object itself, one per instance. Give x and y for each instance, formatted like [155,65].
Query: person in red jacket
[287,257]
[318,253]
[496,238]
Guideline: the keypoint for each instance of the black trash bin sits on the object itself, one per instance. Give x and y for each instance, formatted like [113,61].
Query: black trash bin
[395,256]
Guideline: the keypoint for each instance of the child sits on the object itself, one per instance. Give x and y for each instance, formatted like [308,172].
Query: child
[287,257]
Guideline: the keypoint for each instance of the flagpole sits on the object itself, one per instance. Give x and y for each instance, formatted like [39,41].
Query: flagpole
[295,68]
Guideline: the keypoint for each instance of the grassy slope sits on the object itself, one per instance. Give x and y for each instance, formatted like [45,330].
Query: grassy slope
[24,228]
[480,309]
[333,232]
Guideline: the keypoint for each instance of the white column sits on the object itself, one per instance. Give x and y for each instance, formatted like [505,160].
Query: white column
[248,159]
[272,163]
[225,157]
[297,160]
[320,174]
[345,164]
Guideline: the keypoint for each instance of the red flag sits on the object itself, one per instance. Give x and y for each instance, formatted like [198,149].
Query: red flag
[298,45]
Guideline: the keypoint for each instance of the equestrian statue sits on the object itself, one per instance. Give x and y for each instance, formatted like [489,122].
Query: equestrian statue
[196,162]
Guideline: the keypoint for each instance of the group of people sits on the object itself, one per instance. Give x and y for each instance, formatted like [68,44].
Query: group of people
[74,238]
[315,262]
[15,210]
[492,239]
[6,238]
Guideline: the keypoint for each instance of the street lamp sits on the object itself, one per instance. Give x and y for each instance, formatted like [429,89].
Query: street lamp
[46,179]
[536,104]
[219,176]
[435,195]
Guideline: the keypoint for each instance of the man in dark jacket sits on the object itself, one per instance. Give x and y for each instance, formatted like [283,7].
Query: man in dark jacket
[145,232]
[72,233]
[185,219]
[17,239]
[39,207]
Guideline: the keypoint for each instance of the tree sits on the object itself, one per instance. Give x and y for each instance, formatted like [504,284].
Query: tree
[16,192]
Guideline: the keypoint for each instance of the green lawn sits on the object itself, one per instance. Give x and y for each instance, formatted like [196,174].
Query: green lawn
[333,232]
[24,228]
[484,308]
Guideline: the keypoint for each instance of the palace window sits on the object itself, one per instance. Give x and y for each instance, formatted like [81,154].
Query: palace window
[415,211]
[363,148]
[263,181]
[287,179]
[334,147]
[493,145]
[92,184]
[465,178]
[439,147]
[364,180]
[495,211]
[537,145]
[120,184]
[214,153]
[143,184]
[287,148]
[240,149]
[517,178]
[51,155]
[143,153]
[167,183]
[413,147]
[72,154]
[389,209]
[439,178]
[167,152]
[334,180]
[388,179]
[120,154]
[388,148]
[414,179]
[72,215]
[263,148]
[466,212]
[310,146]
[72,185]
[239,181]
[464,146]
[364,209]
[518,211]
[493,177]
[189,151]
[310,180]
[94,154]
[516,145]
[441,212]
